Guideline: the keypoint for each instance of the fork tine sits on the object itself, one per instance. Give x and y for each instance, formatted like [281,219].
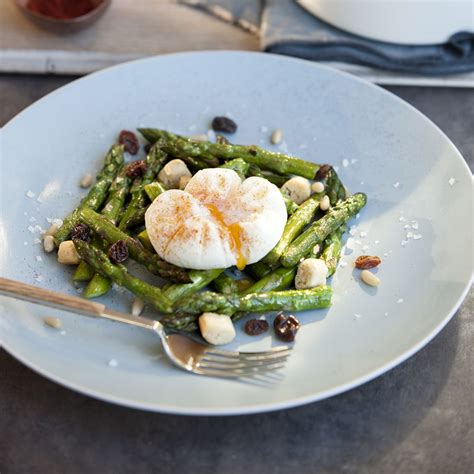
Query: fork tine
[275,352]
[234,362]
[236,373]
[228,364]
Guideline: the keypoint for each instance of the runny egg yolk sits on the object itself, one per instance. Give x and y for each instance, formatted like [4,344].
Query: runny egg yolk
[234,231]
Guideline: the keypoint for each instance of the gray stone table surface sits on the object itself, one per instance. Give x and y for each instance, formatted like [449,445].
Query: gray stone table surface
[417,418]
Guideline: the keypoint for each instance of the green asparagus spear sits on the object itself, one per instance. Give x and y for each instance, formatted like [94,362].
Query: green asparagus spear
[83,272]
[228,285]
[98,286]
[145,240]
[291,206]
[154,189]
[334,188]
[105,229]
[99,261]
[295,224]
[277,162]
[258,270]
[276,179]
[320,229]
[199,279]
[289,300]
[97,194]
[117,194]
[238,165]
[279,279]
[332,249]
[155,161]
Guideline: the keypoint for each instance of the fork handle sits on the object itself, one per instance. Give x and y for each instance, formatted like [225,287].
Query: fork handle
[34,294]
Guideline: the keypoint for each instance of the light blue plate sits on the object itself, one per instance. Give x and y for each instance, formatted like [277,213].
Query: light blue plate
[401,160]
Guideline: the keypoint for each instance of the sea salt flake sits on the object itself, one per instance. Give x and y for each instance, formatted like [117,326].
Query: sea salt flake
[39,258]
[113,363]
[25,213]
[403,243]
[401,219]
[409,235]
[365,248]
[414,225]
[363,234]
[406,226]
[352,231]
[345,163]
[192,127]
[417,236]
[37,241]
[385,254]
[386,314]
[357,216]
[342,264]
[376,241]
[32,219]
[63,332]
[31,229]
[336,168]
[451,181]
[30,194]
[350,243]
[362,183]
[25,243]
[39,278]
[354,160]
[264,129]
[396,185]
[357,315]
[400,300]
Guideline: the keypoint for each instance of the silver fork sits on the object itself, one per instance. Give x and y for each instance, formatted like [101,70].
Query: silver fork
[182,349]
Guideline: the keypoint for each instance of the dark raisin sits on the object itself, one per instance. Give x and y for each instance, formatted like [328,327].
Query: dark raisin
[130,141]
[118,252]
[323,171]
[254,327]
[136,168]
[147,148]
[222,140]
[224,124]
[286,327]
[81,232]
[252,151]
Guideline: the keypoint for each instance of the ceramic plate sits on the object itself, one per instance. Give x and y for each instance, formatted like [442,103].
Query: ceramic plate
[418,220]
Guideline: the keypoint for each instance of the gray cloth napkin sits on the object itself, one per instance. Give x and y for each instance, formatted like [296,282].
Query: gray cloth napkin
[286,28]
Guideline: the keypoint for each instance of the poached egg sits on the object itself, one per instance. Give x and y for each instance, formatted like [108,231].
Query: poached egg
[217,221]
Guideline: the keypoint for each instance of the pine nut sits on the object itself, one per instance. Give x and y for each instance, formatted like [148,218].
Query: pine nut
[52,230]
[199,137]
[86,181]
[52,322]
[137,307]
[48,243]
[317,187]
[324,203]
[369,278]
[277,136]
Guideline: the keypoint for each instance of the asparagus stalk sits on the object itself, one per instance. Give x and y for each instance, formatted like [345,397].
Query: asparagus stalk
[155,161]
[228,285]
[295,224]
[145,240]
[240,166]
[279,279]
[105,229]
[99,261]
[276,179]
[332,249]
[258,270]
[98,284]
[320,229]
[334,188]
[289,300]
[199,279]
[153,190]
[83,272]
[97,194]
[277,162]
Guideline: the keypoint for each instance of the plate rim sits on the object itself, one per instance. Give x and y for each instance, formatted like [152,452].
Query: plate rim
[247,409]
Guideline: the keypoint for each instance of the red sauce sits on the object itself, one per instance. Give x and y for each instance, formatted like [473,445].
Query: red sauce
[61,9]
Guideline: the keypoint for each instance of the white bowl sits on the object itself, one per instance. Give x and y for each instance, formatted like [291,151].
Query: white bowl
[397,21]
